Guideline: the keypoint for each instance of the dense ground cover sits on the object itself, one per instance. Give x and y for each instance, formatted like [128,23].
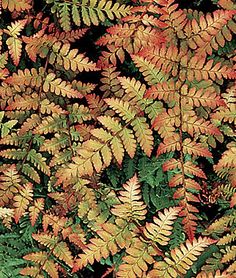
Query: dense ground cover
[117,134]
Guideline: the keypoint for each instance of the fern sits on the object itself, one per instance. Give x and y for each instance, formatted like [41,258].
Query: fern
[114,237]
[132,208]
[17,6]
[117,138]
[180,259]
[13,42]
[89,12]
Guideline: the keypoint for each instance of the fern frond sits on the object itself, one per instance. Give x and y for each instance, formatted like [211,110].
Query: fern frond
[79,113]
[189,167]
[174,18]
[10,184]
[38,161]
[47,107]
[55,144]
[188,211]
[49,124]
[59,248]
[3,59]
[131,37]
[210,32]
[33,77]
[228,238]
[194,125]
[83,88]
[61,158]
[126,135]
[167,91]
[193,169]
[89,12]
[230,96]
[15,49]
[151,74]
[161,229]
[117,149]
[135,263]
[169,144]
[70,59]
[15,5]
[33,121]
[15,28]
[17,154]
[193,148]
[38,44]
[14,43]
[64,14]
[26,102]
[110,57]
[71,36]
[57,223]
[93,155]
[142,131]
[197,68]
[30,172]
[227,191]
[44,262]
[22,201]
[35,209]
[122,108]
[165,59]
[59,87]
[134,92]
[230,254]
[202,97]
[166,123]
[180,259]
[110,82]
[222,223]
[225,114]
[231,269]
[129,141]
[6,212]
[111,238]
[143,134]
[131,206]
[6,126]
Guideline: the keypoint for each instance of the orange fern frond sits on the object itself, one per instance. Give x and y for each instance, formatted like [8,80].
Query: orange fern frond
[161,229]
[41,258]
[112,237]
[210,32]
[22,201]
[59,248]
[181,259]
[131,206]
[135,263]
[10,184]
[15,5]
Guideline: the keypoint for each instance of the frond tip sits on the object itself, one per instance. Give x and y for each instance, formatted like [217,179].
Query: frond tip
[131,206]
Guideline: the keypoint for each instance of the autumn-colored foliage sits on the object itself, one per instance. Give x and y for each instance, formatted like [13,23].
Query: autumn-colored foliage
[117,134]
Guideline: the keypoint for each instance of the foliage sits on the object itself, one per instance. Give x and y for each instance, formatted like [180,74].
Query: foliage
[117,138]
